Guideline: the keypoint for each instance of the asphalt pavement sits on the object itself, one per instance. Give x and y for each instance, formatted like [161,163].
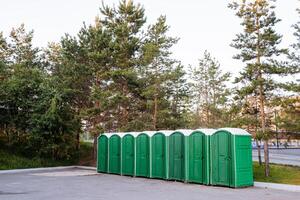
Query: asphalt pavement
[281,156]
[73,184]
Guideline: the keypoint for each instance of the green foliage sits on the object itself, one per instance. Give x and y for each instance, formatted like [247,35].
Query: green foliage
[36,116]
[209,92]
[259,49]
[288,117]
[162,78]
[294,55]
[258,46]
[117,71]
[119,75]
[10,160]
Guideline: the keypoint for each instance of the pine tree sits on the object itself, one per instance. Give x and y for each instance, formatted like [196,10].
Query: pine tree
[289,115]
[259,46]
[124,24]
[209,91]
[178,96]
[18,49]
[294,56]
[158,67]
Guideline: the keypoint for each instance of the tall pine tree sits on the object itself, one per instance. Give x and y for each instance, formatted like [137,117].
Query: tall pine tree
[259,46]
[158,68]
[209,91]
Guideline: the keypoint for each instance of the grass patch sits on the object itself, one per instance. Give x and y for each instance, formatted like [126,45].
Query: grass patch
[279,174]
[14,160]
[9,160]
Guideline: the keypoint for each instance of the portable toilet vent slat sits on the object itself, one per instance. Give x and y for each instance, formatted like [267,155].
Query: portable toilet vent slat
[231,158]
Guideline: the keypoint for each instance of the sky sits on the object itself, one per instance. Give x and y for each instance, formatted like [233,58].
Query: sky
[200,24]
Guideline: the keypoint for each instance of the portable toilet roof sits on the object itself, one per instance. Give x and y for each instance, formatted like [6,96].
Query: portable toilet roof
[207,131]
[165,132]
[135,134]
[235,131]
[149,133]
[111,134]
[187,132]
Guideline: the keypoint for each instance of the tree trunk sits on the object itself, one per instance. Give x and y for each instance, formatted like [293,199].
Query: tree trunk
[77,141]
[125,106]
[258,152]
[155,113]
[95,147]
[263,126]
[262,100]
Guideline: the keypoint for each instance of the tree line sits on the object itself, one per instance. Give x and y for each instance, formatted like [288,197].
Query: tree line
[119,74]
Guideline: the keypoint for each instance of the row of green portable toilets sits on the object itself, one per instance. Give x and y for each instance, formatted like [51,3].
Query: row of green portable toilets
[205,156]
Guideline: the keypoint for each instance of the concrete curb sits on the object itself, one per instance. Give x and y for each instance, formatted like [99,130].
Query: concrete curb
[14,171]
[85,167]
[277,186]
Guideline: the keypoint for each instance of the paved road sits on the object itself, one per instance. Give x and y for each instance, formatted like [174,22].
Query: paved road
[86,185]
[282,156]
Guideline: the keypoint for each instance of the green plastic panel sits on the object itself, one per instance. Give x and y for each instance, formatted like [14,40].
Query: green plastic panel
[221,158]
[142,156]
[128,155]
[115,154]
[196,157]
[158,156]
[176,156]
[102,159]
[243,170]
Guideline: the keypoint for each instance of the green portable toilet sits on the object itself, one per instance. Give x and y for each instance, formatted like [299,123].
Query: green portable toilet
[197,155]
[102,154]
[158,157]
[115,154]
[177,156]
[142,155]
[231,158]
[128,155]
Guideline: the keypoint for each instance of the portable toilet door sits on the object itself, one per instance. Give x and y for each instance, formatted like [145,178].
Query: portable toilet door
[128,155]
[102,154]
[158,143]
[221,158]
[241,172]
[196,153]
[176,156]
[115,154]
[142,155]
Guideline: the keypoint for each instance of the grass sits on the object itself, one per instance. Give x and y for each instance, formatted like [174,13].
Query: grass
[9,160]
[279,174]
[12,160]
